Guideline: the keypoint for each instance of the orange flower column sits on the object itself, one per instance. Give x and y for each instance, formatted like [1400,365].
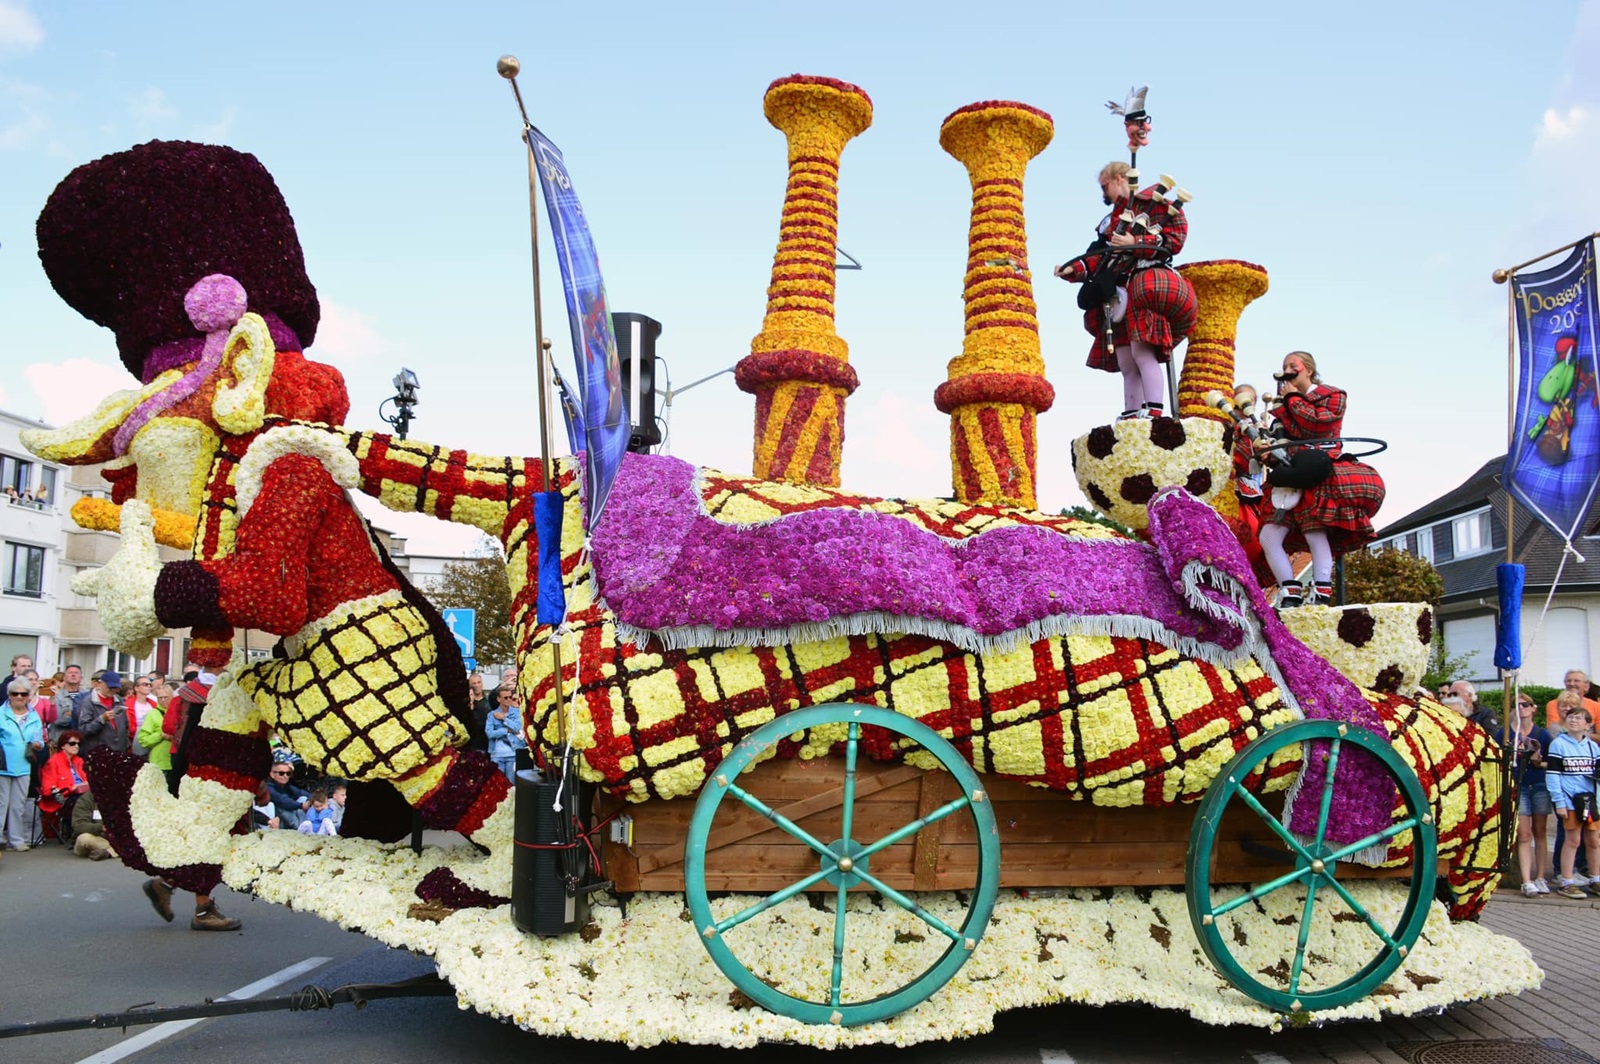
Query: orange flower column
[798,368]
[1223,289]
[996,386]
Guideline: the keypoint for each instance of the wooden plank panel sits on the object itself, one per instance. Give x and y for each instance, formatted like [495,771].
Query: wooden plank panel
[937,789]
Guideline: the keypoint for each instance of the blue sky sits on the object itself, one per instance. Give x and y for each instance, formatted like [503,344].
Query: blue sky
[1378,159]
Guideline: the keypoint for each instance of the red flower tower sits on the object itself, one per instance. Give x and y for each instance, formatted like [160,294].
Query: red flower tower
[996,386]
[798,368]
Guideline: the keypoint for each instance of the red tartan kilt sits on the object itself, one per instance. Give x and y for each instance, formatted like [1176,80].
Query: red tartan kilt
[1161,310]
[1343,505]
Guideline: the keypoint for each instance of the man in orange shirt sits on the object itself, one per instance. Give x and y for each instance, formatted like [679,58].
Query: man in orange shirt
[1576,681]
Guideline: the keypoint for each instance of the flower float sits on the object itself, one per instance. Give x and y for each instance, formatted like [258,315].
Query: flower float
[996,386]
[1223,289]
[798,367]
[1060,658]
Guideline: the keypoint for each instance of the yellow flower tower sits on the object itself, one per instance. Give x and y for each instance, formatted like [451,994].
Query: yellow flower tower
[798,368]
[1223,288]
[996,386]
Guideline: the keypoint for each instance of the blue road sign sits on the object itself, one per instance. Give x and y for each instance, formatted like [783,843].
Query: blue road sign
[463,624]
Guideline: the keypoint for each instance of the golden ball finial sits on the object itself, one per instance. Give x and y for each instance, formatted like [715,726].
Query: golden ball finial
[1501,276]
[508,66]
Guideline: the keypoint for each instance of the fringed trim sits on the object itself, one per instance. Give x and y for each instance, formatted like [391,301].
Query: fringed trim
[298,438]
[1123,626]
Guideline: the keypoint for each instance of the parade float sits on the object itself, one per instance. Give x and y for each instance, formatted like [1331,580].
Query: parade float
[812,766]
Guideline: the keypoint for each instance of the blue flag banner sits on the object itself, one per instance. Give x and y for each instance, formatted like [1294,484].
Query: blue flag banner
[1509,579]
[1553,465]
[551,607]
[605,421]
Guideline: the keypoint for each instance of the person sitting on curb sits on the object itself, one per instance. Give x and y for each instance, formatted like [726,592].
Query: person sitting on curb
[88,830]
[319,816]
[290,801]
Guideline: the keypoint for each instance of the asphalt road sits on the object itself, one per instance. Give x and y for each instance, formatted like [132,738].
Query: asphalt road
[78,938]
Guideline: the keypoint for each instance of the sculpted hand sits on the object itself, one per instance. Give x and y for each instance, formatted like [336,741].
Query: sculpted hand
[126,586]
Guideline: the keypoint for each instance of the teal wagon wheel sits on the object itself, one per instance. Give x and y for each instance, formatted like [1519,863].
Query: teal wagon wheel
[842,863]
[1314,865]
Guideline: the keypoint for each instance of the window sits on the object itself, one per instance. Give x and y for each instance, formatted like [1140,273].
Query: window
[1472,638]
[1471,534]
[24,570]
[1425,543]
[16,473]
[46,491]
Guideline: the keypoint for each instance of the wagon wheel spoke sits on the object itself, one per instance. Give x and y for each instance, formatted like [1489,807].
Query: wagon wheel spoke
[1361,911]
[1262,891]
[917,825]
[838,944]
[1275,824]
[776,898]
[846,824]
[779,819]
[1304,936]
[1327,794]
[910,906]
[1372,840]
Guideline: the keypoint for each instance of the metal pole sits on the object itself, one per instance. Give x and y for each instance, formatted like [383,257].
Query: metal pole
[1502,276]
[1507,685]
[509,66]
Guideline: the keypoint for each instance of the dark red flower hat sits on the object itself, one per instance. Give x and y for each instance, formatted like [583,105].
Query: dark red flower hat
[123,238]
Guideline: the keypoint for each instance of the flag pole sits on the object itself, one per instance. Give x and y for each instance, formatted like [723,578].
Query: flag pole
[509,67]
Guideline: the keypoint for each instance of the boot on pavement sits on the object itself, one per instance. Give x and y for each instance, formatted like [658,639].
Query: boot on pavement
[160,896]
[211,919]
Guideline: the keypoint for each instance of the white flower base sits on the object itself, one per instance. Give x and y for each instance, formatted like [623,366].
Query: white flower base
[645,979]
[1379,645]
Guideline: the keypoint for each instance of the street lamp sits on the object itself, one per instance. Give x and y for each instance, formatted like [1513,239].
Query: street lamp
[404,399]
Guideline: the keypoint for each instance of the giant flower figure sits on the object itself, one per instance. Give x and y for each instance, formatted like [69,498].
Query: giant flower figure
[996,386]
[798,367]
[188,253]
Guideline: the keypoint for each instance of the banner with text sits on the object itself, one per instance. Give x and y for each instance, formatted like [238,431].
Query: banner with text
[605,421]
[1553,465]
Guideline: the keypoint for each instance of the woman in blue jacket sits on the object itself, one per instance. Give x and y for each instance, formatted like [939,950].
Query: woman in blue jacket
[21,734]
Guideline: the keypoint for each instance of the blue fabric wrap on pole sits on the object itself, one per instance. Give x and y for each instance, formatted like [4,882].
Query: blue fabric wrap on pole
[547,507]
[1508,629]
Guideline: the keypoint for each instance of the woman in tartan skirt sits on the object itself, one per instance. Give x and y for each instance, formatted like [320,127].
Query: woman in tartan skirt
[1155,305]
[1322,501]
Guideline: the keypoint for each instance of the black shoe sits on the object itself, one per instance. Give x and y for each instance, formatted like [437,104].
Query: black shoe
[1290,595]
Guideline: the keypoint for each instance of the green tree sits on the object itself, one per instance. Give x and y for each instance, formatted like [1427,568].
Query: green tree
[479,583]
[1391,575]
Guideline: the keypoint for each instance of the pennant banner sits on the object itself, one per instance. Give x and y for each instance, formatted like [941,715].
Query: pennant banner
[1553,466]
[605,421]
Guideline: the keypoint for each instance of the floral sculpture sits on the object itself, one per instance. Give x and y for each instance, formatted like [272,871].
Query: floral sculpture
[1053,651]
[1223,288]
[996,386]
[188,253]
[798,367]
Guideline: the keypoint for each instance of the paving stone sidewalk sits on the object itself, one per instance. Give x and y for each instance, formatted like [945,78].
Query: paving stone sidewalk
[1564,937]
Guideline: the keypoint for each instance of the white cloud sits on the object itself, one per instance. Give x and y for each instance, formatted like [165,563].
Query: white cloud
[217,132]
[69,390]
[151,109]
[19,30]
[346,335]
[1558,126]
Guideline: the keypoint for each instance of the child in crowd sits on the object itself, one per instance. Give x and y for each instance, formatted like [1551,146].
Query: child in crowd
[336,798]
[263,815]
[1572,792]
[319,818]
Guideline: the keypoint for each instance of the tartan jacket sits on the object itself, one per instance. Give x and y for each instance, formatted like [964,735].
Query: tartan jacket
[1318,414]
[1174,233]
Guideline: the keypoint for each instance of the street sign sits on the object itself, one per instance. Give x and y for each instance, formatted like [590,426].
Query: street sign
[463,624]
[471,664]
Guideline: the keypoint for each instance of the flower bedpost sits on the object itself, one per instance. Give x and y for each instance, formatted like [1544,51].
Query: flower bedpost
[798,368]
[1223,289]
[996,386]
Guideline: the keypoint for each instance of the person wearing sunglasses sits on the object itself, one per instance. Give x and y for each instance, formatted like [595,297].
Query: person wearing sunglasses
[21,741]
[1532,743]
[63,776]
[291,801]
[504,729]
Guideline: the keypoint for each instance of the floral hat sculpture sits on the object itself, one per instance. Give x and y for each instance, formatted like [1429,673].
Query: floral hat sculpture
[188,253]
